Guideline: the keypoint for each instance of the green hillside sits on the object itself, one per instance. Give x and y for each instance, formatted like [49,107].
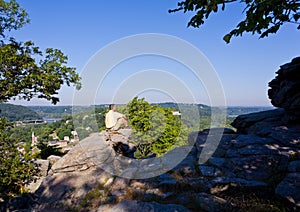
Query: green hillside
[17,112]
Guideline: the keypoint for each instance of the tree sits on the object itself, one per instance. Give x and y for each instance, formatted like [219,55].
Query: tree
[155,129]
[262,17]
[15,170]
[25,72]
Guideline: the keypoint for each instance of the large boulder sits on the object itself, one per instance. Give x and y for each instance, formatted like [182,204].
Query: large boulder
[120,142]
[284,89]
[257,123]
[76,173]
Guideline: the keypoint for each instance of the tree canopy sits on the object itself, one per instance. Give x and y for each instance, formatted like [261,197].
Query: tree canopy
[25,70]
[155,129]
[262,17]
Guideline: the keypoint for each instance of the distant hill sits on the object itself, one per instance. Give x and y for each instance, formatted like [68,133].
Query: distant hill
[59,111]
[17,112]
[236,111]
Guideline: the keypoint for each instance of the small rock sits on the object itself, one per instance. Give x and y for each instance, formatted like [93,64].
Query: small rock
[166,194]
[207,171]
[118,193]
[196,184]
[43,166]
[211,203]
[53,159]
[220,184]
[109,182]
[120,183]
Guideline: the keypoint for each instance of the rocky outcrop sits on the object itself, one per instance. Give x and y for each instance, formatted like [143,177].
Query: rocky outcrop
[284,90]
[275,153]
[120,142]
[256,168]
[258,123]
[264,166]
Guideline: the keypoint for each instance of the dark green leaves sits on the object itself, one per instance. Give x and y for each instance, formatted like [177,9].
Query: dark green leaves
[12,17]
[23,76]
[25,71]
[262,17]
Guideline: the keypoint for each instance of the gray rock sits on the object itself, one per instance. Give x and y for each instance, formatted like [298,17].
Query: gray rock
[211,203]
[77,173]
[255,122]
[284,89]
[294,166]
[119,184]
[286,136]
[43,167]
[186,167]
[223,131]
[238,182]
[53,159]
[167,182]
[249,139]
[134,205]
[118,193]
[196,184]
[218,162]
[185,198]
[33,185]
[180,160]
[90,152]
[220,184]
[256,167]
[207,171]
[104,207]
[253,150]
[68,189]
[192,137]
[289,188]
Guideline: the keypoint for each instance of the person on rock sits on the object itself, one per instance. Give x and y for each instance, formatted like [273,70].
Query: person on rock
[114,120]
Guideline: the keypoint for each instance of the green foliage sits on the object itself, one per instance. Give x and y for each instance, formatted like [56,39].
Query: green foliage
[15,169]
[24,76]
[25,71]
[155,129]
[262,17]
[17,112]
[47,151]
[12,16]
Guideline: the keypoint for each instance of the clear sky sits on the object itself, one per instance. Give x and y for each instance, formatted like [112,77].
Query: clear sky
[82,28]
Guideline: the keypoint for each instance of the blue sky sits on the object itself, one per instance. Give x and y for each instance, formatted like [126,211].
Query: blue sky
[82,28]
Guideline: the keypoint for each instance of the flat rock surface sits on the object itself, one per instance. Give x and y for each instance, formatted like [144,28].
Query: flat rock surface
[126,205]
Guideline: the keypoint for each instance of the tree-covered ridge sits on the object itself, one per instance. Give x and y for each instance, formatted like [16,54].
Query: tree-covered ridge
[59,111]
[17,112]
